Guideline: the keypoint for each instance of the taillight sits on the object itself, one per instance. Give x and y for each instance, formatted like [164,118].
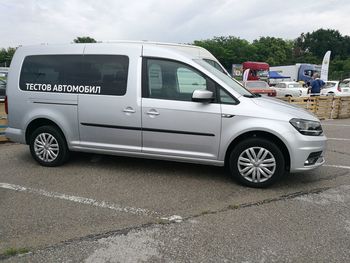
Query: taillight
[338,88]
[6,106]
[272,94]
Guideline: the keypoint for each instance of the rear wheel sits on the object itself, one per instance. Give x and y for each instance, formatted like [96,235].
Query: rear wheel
[257,162]
[48,146]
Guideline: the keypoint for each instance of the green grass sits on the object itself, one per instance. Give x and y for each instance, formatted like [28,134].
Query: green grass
[161,221]
[15,251]
[233,206]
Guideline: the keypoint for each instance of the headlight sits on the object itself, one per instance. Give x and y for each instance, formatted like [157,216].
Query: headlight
[306,127]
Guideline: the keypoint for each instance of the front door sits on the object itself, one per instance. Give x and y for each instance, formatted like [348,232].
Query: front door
[172,124]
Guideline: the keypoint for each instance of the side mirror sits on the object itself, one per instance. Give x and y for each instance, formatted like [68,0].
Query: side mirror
[202,96]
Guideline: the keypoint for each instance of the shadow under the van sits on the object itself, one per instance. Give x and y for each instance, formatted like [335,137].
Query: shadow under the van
[136,166]
[150,165]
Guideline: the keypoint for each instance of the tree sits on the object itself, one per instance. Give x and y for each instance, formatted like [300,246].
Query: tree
[274,51]
[320,41]
[84,40]
[6,56]
[228,50]
[307,48]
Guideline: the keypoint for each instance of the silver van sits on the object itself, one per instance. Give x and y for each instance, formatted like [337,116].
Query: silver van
[153,100]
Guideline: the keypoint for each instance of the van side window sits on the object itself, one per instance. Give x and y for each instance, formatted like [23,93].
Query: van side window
[172,80]
[188,80]
[88,74]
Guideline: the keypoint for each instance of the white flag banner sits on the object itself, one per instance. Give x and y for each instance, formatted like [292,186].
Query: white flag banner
[325,66]
[245,74]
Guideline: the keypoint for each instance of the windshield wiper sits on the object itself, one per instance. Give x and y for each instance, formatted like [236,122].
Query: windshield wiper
[252,95]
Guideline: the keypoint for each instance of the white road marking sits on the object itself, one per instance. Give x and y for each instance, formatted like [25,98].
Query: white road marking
[337,166]
[174,218]
[339,139]
[81,200]
[340,125]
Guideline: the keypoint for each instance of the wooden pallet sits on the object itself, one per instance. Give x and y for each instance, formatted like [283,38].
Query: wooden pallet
[3,122]
[308,103]
[344,108]
[335,108]
[323,107]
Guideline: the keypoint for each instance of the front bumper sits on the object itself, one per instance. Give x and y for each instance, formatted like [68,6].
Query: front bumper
[305,146]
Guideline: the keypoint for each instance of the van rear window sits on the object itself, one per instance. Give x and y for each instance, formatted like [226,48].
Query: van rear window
[88,74]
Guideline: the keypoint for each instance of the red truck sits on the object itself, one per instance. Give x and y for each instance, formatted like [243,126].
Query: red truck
[257,70]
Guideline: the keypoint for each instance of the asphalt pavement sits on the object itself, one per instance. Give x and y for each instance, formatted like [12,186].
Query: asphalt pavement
[100,208]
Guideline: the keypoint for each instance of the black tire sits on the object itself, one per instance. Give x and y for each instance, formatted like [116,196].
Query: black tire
[274,154]
[62,154]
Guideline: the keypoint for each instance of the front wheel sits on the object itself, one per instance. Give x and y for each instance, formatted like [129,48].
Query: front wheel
[48,146]
[257,162]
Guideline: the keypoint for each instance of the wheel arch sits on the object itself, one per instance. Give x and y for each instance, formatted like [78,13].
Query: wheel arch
[263,135]
[36,123]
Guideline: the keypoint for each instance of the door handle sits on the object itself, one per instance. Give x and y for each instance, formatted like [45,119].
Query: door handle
[227,115]
[153,112]
[129,110]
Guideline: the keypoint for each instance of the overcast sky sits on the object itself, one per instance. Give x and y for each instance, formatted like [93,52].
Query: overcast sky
[25,22]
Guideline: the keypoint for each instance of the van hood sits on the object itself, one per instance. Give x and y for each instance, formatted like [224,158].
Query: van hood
[278,109]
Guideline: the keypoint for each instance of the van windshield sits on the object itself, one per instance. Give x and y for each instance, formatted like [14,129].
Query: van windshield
[230,82]
[215,65]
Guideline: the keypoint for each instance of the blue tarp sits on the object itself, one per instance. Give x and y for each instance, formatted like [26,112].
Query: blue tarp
[276,75]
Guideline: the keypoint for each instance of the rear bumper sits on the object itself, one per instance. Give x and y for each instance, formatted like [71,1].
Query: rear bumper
[15,135]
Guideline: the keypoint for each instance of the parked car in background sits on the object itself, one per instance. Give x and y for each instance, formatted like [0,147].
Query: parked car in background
[259,87]
[290,89]
[331,88]
[336,88]
[3,74]
[345,85]
[2,89]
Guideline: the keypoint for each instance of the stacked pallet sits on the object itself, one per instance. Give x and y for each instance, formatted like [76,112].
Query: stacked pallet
[323,107]
[308,103]
[3,122]
[328,107]
[344,108]
[335,108]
